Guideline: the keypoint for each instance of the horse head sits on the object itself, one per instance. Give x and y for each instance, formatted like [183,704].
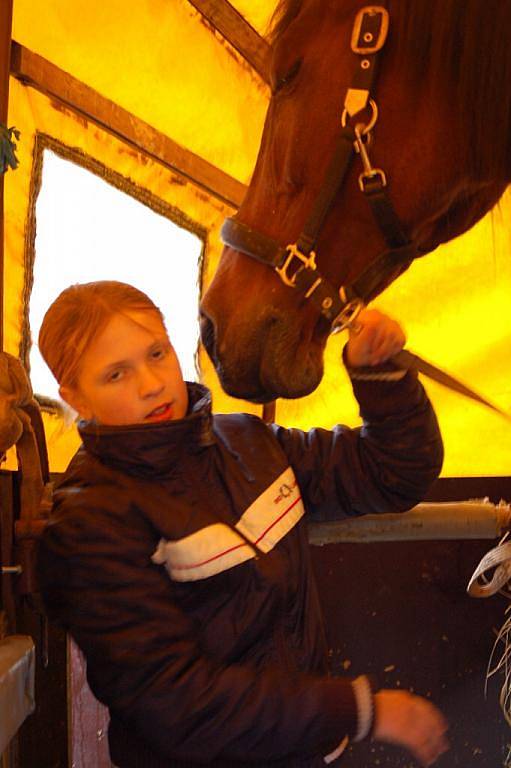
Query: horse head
[440,125]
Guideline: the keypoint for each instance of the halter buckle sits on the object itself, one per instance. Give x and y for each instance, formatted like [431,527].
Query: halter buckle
[370,30]
[307,262]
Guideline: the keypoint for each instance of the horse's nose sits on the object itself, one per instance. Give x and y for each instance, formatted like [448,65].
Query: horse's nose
[208,334]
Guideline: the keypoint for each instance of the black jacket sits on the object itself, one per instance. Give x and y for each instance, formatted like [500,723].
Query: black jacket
[177,558]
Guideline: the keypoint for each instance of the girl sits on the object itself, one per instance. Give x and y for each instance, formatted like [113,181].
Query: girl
[177,552]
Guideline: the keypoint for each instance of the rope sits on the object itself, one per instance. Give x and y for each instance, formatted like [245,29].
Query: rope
[493,575]
[497,560]
[16,429]
[15,391]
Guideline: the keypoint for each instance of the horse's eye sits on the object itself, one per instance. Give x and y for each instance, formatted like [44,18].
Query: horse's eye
[285,80]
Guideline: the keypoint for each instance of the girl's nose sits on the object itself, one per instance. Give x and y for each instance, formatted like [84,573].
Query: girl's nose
[150,383]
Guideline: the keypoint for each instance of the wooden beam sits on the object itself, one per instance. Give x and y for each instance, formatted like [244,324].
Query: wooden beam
[5,56]
[238,32]
[37,72]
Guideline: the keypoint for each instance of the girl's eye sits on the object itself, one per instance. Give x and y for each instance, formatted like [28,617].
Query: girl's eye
[114,376]
[285,80]
[158,354]
[160,351]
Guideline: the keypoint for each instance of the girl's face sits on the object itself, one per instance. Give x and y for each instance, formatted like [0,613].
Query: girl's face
[130,374]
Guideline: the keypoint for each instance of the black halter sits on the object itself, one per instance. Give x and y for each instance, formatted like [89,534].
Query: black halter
[296,263]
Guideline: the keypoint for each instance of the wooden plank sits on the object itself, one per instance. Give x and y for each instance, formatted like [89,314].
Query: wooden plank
[88,718]
[238,32]
[5,55]
[7,582]
[37,72]
[43,739]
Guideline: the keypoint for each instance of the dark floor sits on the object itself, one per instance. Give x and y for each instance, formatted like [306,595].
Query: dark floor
[402,614]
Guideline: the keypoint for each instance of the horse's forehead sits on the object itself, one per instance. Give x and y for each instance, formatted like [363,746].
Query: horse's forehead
[314,13]
[317,30]
[336,7]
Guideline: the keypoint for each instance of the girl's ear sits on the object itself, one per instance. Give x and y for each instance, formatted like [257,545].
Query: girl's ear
[76,400]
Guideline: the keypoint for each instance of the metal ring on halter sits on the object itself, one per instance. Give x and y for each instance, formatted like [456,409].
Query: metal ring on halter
[347,316]
[372,122]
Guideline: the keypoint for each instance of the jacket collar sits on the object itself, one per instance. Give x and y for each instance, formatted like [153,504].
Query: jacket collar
[150,450]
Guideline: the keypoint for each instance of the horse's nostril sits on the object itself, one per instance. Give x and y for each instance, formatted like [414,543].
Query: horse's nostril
[207,332]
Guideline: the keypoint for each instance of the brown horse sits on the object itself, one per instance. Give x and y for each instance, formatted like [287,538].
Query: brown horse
[442,137]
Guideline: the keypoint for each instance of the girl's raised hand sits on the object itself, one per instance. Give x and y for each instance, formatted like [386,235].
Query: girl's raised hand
[373,339]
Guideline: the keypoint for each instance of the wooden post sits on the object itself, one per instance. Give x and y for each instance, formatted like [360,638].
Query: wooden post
[238,32]
[5,62]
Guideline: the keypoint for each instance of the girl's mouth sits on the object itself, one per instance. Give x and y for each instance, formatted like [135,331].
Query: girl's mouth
[162,413]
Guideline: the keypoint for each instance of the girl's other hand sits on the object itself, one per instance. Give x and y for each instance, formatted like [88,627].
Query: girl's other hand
[411,722]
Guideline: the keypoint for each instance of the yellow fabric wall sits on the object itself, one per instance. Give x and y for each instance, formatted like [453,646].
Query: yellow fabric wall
[158,60]
[454,306]
[163,64]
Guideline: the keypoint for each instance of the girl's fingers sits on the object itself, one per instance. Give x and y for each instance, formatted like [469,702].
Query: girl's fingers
[374,339]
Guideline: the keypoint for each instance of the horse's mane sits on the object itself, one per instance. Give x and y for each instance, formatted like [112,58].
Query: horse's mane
[463,49]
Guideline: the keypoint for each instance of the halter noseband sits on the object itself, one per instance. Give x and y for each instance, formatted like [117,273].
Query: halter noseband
[296,263]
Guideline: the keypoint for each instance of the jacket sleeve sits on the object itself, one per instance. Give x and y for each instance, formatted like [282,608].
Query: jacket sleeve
[144,656]
[386,465]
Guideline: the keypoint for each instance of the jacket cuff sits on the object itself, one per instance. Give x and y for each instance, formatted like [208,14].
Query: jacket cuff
[363,690]
[337,752]
[381,389]
[364,696]
[388,371]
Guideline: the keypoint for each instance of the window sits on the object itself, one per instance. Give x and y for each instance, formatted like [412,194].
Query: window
[88,230]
